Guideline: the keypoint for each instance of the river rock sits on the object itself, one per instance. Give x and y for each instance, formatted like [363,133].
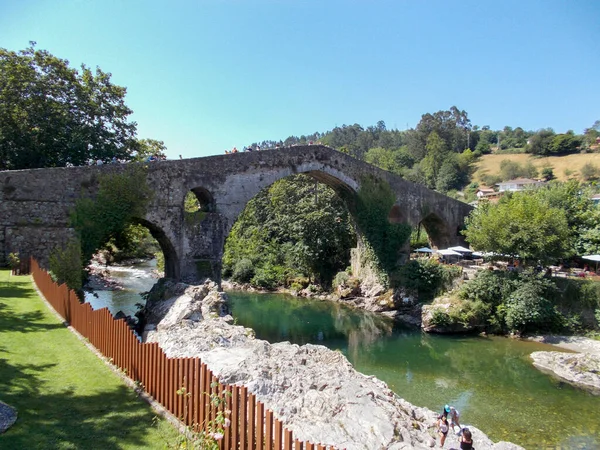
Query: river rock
[8,416]
[579,369]
[315,391]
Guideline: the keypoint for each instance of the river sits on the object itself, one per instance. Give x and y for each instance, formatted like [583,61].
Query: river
[490,380]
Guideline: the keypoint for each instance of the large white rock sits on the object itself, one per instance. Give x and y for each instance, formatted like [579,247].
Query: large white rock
[579,369]
[315,391]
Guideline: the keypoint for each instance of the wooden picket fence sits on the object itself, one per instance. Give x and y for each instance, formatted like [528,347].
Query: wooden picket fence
[184,386]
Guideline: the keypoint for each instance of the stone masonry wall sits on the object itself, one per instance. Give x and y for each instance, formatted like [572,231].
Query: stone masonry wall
[35,204]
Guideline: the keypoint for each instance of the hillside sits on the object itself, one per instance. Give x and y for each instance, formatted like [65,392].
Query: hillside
[490,164]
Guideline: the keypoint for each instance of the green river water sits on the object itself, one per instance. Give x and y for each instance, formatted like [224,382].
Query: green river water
[490,380]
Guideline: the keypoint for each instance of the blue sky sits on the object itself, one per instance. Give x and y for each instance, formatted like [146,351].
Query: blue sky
[204,76]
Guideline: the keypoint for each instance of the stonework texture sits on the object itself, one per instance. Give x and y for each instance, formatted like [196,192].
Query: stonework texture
[35,204]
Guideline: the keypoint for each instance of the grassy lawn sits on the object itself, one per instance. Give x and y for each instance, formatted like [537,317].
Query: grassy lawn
[65,396]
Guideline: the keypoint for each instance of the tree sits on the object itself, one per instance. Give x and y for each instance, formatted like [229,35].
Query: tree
[296,227]
[589,171]
[563,144]
[387,159]
[146,148]
[53,115]
[591,134]
[539,143]
[483,147]
[521,225]
[433,161]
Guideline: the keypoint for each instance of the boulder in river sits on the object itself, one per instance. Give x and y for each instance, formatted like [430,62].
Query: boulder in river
[579,369]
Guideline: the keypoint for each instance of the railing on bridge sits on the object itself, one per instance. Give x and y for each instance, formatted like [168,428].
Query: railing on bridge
[184,386]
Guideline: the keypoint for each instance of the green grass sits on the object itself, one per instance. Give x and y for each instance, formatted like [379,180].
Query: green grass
[65,396]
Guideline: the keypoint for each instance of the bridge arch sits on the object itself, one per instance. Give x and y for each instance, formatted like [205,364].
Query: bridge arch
[172,264]
[439,232]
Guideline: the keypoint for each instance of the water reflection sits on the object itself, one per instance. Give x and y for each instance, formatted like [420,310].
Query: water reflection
[490,380]
[278,318]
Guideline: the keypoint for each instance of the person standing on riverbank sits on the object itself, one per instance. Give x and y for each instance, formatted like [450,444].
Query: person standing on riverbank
[454,417]
[443,428]
[466,441]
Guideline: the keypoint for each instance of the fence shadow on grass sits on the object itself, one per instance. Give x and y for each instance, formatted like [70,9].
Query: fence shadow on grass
[66,419]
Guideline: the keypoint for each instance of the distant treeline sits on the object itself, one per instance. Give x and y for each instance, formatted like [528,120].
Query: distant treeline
[440,151]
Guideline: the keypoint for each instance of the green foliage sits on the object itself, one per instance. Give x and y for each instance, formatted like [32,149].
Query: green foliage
[528,302]
[340,279]
[392,160]
[296,223]
[14,261]
[269,276]
[539,143]
[548,173]
[522,225]
[243,271]
[66,266]
[563,144]
[53,115]
[583,217]
[383,239]
[426,278]
[483,147]
[490,287]
[134,241]
[528,307]
[589,171]
[191,203]
[440,318]
[120,200]
[147,148]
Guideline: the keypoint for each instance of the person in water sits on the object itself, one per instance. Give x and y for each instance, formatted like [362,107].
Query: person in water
[466,440]
[443,428]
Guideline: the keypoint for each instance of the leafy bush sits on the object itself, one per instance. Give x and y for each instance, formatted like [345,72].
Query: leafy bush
[14,261]
[528,308]
[340,279]
[65,265]
[491,287]
[472,313]
[243,271]
[269,277]
[426,277]
[440,318]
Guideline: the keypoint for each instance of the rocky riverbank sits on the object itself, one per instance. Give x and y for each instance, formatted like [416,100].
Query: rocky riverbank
[314,390]
[581,369]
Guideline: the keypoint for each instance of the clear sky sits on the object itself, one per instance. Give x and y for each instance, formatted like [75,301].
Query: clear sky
[204,76]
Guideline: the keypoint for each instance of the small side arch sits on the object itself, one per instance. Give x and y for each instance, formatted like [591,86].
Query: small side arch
[206,201]
[440,236]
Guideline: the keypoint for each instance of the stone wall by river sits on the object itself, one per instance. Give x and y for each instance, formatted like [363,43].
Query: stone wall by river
[315,391]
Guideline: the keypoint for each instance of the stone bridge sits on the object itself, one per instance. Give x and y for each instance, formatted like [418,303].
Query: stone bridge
[35,204]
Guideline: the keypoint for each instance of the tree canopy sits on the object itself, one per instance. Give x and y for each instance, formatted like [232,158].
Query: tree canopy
[295,228]
[52,115]
[521,225]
